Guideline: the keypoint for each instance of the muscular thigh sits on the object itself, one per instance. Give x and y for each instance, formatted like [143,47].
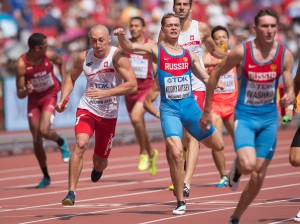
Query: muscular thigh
[258,133]
[104,136]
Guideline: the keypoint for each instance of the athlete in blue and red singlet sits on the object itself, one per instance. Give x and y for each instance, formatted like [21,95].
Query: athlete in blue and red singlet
[178,107]
[259,65]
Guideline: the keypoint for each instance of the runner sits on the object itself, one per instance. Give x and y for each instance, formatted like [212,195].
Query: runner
[134,102]
[223,101]
[109,75]
[192,37]
[260,63]
[174,65]
[36,79]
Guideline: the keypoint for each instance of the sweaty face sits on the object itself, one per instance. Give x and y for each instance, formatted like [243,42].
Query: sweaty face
[182,8]
[136,28]
[220,38]
[266,28]
[171,27]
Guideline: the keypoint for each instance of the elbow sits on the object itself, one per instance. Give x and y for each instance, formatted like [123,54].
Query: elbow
[133,87]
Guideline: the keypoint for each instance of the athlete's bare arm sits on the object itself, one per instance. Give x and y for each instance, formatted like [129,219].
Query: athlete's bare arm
[209,43]
[151,96]
[297,80]
[123,67]
[59,62]
[68,85]
[233,59]
[289,95]
[23,89]
[149,49]
[198,70]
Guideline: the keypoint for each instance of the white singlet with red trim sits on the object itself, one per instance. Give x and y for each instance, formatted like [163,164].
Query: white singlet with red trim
[191,40]
[101,74]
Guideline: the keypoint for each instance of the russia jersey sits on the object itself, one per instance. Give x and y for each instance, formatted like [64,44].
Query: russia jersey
[100,73]
[42,78]
[191,40]
[174,75]
[259,81]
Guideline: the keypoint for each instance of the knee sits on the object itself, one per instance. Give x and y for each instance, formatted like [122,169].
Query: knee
[246,167]
[294,162]
[81,146]
[174,155]
[294,159]
[44,132]
[257,177]
[135,120]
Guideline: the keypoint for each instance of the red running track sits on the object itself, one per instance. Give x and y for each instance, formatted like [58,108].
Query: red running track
[125,195]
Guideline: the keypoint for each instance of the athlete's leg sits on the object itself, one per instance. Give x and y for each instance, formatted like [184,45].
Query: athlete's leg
[295,149]
[174,153]
[76,159]
[191,157]
[253,186]
[218,156]
[45,129]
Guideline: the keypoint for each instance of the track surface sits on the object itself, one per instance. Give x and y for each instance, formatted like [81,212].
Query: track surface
[125,195]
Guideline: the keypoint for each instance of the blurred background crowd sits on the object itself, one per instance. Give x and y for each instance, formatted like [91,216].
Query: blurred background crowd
[66,22]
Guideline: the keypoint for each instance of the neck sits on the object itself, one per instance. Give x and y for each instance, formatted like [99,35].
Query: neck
[185,24]
[172,45]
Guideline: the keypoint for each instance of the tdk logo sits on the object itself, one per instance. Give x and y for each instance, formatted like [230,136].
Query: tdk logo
[101,85]
[89,64]
[178,79]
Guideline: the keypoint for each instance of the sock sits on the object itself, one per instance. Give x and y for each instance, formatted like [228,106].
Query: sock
[223,176]
[60,141]
[45,172]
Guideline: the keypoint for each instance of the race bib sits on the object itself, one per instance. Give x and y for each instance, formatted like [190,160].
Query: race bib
[228,81]
[42,83]
[177,87]
[259,93]
[139,65]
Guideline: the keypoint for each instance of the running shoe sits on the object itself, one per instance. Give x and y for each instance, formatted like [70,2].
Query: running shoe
[234,176]
[69,200]
[144,162]
[65,151]
[180,209]
[297,218]
[233,220]
[153,159]
[186,190]
[95,175]
[223,182]
[44,183]
[171,187]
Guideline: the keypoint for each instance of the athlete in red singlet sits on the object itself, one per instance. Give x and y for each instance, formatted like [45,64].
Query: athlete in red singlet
[36,79]
[143,70]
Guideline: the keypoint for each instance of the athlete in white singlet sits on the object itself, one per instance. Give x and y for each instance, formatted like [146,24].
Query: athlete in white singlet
[109,75]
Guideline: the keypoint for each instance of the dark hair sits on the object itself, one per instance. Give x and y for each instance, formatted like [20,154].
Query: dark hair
[265,12]
[217,28]
[191,2]
[36,39]
[138,18]
[167,16]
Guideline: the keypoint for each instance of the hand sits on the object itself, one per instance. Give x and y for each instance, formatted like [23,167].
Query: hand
[119,32]
[220,85]
[29,87]
[205,121]
[95,93]
[287,100]
[61,106]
